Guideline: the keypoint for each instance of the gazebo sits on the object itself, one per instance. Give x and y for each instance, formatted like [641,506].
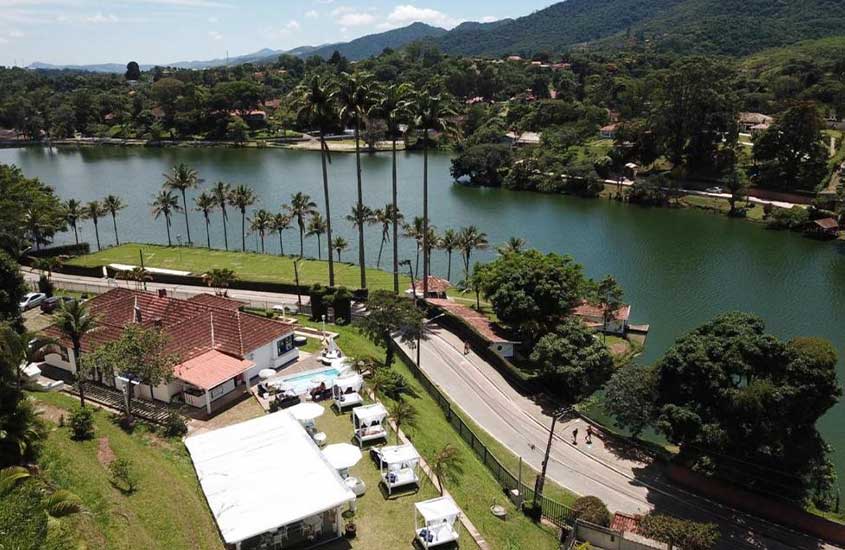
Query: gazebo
[399,465]
[434,521]
[367,422]
[345,391]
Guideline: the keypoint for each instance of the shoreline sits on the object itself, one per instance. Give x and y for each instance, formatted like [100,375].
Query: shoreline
[298,144]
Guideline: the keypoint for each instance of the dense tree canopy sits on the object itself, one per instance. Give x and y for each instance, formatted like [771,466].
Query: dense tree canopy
[32,212]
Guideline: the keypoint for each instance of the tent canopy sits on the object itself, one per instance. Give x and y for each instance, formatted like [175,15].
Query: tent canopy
[241,466]
[305,412]
[353,381]
[438,509]
[397,454]
[367,413]
[342,455]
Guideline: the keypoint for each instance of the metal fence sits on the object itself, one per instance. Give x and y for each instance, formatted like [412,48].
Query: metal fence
[557,513]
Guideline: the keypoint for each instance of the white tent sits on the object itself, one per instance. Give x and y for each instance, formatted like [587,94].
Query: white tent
[438,521]
[270,459]
[342,456]
[306,412]
[346,391]
[367,421]
[398,465]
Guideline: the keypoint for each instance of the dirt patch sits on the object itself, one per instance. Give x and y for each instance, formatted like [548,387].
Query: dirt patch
[105,456]
[51,413]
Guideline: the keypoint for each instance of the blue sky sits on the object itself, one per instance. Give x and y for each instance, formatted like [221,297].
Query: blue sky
[161,31]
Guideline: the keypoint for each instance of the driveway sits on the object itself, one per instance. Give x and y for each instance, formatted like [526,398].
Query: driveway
[630,483]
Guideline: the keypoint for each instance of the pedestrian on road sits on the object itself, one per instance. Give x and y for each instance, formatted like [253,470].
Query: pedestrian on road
[589,437]
[575,436]
[466,348]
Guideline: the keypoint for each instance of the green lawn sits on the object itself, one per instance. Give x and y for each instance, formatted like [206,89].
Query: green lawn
[476,489]
[754,213]
[250,266]
[167,511]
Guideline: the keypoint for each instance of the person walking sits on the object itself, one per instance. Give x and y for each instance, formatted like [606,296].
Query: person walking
[575,436]
[466,348]
[589,437]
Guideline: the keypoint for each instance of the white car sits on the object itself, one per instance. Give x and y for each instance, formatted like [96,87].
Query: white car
[715,190]
[31,300]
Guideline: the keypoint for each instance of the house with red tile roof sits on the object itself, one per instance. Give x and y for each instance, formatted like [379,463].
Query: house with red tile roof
[497,340]
[437,287]
[593,316]
[221,348]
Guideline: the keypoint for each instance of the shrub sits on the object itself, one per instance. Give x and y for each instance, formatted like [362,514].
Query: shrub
[593,510]
[390,383]
[788,218]
[45,285]
[175,425]
[82,424]
[123,474]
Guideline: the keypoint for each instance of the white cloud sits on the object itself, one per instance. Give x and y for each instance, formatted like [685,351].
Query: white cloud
[356,19]
[100,17]
[213,19]
[406,14]
[188,3]
[214,35]
[3,40]
[293,25]
[312,14]
[489,19]
[15,34]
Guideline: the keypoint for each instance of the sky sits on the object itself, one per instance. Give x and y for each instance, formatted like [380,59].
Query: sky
[163,31]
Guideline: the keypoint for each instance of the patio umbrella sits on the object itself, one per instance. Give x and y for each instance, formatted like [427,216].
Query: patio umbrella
[305,412]
[264,374]
[280,385]
[342,455]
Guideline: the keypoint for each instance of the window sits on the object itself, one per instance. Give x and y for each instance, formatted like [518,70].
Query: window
[284,345]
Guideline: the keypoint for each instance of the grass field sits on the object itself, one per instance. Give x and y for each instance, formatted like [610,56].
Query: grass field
[168,510]
[249,266]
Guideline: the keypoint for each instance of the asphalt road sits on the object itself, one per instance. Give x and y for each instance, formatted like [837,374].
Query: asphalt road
[628,484]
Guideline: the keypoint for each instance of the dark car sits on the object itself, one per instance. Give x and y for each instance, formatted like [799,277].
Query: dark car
[53,303]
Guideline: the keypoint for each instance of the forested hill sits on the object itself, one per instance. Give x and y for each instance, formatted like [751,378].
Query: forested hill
[374,44]
[729,27]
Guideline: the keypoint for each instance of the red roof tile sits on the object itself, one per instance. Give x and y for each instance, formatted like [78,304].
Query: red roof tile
[588,310]
[435,285]
[212,300]
[211,369]
[625,523]
[476,320]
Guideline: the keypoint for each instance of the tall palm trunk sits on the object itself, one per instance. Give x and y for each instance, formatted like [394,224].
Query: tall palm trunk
[301,238]
[361,259]
[77,350]
[449,265]
[114,223]
[187,225]
[395,225]
[75,233]
[281,244]
[320,249]
[96,233]
[243,229]
[262,242]
[225,233]
[323,152]
[207,232]
[380,250]
[167,225]
[425,214]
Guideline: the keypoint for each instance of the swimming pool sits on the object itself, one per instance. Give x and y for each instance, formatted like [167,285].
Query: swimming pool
[302,382]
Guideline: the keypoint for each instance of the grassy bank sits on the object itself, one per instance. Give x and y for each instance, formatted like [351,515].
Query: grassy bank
[250,266]
[167,511]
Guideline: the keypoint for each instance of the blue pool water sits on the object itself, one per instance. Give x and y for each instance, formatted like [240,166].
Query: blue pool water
[301,383]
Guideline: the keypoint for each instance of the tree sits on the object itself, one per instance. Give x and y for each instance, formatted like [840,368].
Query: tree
[414,231]
[113,204]
[316,105]
[20,347]
[737,184]
[608,296]
[281,223]
[242,197]
[740,400]
[531,291]
[221,191]
[261,223]
[237,129]
[74,213]
[74,321]
[32,213]
[140,355]
[301,207]
[446,464]
[390,314]
[484,164]
[449,241]
[12,289]
[573,359]
[592,510]
[133,71]
[354,98]
[164,204]
[404,414]
[317,227]
[182,178]
[360,216]
[384,217]
[629,397]
[471,238]
[339,244]
[220,278]
[679,533]
[94,210]
[205,203]
[431,112]
[791,152]
[513,245]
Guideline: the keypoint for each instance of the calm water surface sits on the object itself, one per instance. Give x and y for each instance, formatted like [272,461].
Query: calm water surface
[678,268]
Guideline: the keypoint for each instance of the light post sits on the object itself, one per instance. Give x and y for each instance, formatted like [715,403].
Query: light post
[179,240]
[296,278]
[541,479]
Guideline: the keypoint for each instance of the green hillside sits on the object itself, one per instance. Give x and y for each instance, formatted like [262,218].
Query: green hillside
[374,44]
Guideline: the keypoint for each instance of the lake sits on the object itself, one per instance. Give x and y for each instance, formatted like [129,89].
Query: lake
[679,268]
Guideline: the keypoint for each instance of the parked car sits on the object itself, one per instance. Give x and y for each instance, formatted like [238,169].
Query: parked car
[31,300]
[53,303]
[715,190]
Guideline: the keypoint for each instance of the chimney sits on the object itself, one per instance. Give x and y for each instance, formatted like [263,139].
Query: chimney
[162,293]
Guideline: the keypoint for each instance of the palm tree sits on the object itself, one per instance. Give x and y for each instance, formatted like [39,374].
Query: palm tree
[165,204]
[220,279]
[242,197]
[33,220]
[137,274]
[20,348]
[446,465]
[205,203]
[317,226]
[354,97]
[393,107]
[448,242]
[113,204]
[514,245]
[316,105]
[431,112]
[75,321]
[261,222]
[94,210]
[339,244]
[281,223]
[74,213]
[403,413]
[47,265]
[384,217]
[220,192]
[469,239]
[181,178]
[359,216]
[301,207]
[414,231]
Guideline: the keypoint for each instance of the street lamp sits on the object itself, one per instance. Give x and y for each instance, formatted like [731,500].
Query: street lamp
[541,479]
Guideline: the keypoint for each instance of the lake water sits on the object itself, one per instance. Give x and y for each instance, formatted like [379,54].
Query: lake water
[679,268]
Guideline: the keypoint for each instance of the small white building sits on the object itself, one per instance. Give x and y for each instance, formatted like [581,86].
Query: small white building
[268,485]
[593,316]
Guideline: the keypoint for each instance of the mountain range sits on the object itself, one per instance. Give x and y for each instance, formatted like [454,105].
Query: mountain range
[721,27]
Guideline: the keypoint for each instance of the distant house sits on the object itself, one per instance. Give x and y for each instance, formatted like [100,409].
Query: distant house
[221,348]
[273,103]
[494,337]
[561,66]
[593,317]
[749,123]
[514,58]
[525,138]
[609,131]
[474,100]
[825,228]
[437,287]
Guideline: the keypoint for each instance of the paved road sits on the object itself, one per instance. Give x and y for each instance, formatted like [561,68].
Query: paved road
[780,204]
[626,484]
